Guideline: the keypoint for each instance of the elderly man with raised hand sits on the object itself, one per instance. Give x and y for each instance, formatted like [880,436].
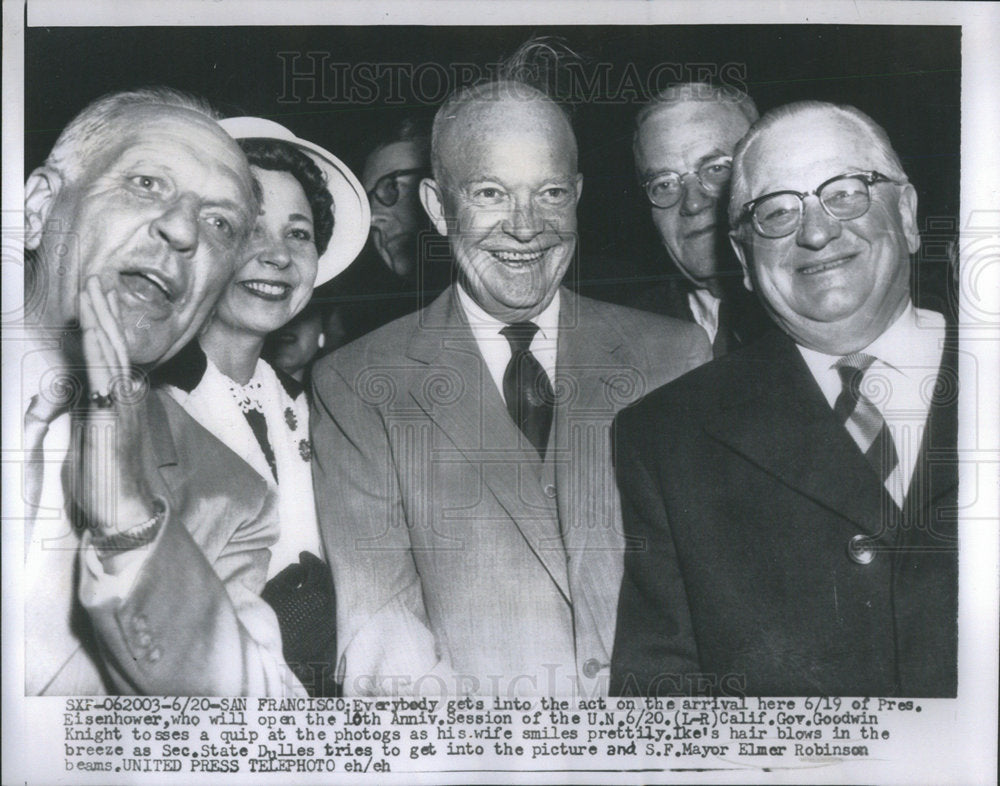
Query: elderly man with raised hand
[462,453]
[797,498]
[146,538]
[683,146]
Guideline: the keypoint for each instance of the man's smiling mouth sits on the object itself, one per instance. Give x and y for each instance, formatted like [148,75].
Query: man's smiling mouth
[823,267]
[518,257]
[149,286]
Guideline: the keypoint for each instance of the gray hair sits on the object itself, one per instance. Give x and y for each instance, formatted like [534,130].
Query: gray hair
[884,157]
[97,125]
[687,92]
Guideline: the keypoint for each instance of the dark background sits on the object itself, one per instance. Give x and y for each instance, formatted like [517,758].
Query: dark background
[906,78]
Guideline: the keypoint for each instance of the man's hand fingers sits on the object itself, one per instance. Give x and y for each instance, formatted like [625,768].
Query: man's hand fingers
[109,324]
[97,350]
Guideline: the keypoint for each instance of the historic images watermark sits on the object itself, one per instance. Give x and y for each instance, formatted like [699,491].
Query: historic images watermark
[317,78]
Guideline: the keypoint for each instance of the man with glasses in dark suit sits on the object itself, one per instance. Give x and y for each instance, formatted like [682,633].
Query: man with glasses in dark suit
[683,147]
[796,500]
[391,175]
[395,275]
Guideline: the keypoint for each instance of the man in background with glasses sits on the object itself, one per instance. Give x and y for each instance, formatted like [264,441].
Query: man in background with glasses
[683,145]
[797,498]
[391,175]
[393,277]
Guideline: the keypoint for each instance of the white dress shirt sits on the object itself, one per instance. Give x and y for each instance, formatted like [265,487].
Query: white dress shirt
[213,404]
[495,348]
[705,311]
[900,383]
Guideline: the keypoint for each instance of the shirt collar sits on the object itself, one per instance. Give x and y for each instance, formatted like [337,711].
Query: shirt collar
[910,344]
[485,325]
[911,341]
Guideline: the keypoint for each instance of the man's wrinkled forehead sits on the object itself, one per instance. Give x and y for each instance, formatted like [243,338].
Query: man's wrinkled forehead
[178,131]
[474,126]
[820,141]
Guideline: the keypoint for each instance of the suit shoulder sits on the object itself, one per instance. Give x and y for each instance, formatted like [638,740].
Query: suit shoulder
[703,390]
[209,462]
[381,344]
[636,319]
[660,336]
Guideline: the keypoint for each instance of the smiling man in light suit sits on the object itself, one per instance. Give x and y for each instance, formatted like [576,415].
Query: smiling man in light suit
[462,454]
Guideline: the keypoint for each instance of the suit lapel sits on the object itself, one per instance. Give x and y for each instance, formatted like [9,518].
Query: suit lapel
[793,435]
[161,446]
[595,376]
[936,472]
[455,391]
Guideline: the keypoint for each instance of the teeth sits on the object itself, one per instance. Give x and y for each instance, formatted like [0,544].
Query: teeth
[263,288]
[158,281]
[812,270]
[518,256]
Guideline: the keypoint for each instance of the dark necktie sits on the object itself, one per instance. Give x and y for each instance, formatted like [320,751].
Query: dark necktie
[865,423]
[526,387]
[724,337]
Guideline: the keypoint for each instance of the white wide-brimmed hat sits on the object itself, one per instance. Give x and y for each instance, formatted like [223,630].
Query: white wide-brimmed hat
[351,214]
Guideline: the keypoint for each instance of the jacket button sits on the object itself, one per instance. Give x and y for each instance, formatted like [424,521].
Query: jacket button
[144,639]
[139,622]
[550,490]
[592,666]
[861,549]
[154,655]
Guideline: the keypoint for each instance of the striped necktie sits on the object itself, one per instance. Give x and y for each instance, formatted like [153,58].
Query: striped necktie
[865,423]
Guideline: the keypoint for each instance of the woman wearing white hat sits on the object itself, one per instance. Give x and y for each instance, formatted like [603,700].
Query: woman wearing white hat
[313,222]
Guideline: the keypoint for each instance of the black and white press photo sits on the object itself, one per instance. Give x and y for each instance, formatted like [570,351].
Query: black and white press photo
[575,396]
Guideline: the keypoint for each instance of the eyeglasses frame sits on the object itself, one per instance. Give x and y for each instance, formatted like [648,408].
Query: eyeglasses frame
[711,191]
[869,178]
[393,177]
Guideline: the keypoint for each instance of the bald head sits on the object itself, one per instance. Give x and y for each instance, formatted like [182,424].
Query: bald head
[474,114]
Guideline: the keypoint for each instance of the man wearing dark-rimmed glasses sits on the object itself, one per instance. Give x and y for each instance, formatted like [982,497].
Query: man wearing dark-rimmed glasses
[391,175]
[683,144]
[797,497]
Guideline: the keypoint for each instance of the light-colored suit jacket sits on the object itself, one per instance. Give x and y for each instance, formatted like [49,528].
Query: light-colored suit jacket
[463,563]
[193,622]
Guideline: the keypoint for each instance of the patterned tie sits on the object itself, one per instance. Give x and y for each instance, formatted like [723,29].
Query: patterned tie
[526,386]
[865,423]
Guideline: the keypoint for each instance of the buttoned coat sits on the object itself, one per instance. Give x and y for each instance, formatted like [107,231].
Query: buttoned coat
[192,623]
[773,561]
[462,562]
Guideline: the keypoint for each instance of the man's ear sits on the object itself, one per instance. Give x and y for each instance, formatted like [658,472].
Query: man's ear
[432,198]
[908,216]
[741,255]
[579,185]
[40,191]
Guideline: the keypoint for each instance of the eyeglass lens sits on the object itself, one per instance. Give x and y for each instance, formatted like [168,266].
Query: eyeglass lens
[665,190]
[844,198]
[386,190]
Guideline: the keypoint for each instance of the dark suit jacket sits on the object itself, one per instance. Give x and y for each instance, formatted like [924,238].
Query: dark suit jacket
[747,492]
[741,317]
[456,553]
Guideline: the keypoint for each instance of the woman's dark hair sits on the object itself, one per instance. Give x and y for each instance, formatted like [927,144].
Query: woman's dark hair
[279,156]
